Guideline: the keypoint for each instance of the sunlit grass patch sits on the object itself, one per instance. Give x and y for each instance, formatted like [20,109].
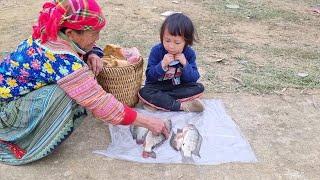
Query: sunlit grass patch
[294,53]
[257,10]
[268,79]
[209,80]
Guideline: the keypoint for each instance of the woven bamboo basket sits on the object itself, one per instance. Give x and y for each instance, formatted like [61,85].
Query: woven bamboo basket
[123,82]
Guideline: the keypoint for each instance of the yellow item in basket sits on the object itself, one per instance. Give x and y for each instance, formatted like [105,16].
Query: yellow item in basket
[122,63]
[116,56]
[113,50]
[111,61]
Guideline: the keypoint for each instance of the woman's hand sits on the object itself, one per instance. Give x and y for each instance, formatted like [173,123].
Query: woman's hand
[95,64]
[155,125]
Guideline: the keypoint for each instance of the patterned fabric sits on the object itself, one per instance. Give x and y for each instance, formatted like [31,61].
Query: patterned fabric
[35,117]
[73,14]
[82,87]
[172,72]
[34,125]
[33,66]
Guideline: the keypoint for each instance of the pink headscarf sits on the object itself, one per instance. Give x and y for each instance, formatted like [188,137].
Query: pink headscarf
[73,14]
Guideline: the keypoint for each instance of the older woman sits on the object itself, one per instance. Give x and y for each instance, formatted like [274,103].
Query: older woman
[46,86]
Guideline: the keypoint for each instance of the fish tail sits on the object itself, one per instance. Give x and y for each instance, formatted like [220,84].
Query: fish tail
[139,141]
[186,159]
[197,150]
[146,154]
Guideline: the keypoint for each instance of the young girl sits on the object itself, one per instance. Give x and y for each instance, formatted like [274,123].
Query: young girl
[172,73]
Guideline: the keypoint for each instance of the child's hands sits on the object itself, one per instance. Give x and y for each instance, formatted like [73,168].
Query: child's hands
[182,59]
[167,59]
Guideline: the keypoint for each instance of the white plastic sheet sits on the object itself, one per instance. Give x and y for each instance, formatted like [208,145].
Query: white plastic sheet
[222,139]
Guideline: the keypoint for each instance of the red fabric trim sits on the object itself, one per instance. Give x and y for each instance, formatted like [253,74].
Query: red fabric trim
[152,105]
[15,149]
[190,98]
[180,100]
[129,116]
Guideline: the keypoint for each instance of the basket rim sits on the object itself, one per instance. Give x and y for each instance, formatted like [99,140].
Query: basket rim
[129,65]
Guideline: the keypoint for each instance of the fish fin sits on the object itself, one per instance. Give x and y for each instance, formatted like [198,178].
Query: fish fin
[168,124]
[196,151]
[179,130]
[145,135]
[134,136]
[172,141]
[146,154]
[139,141]
[142,139]
[186,159]
[132,130]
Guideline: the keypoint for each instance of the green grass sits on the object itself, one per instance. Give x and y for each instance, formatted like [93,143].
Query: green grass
[294,53]
[268,79]
[260,11]
[282,63]
[210,82]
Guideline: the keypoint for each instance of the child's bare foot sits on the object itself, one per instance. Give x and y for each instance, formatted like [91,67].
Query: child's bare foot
[192,106]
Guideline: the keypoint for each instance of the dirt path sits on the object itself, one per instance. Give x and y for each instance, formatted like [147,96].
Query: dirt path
[283,130]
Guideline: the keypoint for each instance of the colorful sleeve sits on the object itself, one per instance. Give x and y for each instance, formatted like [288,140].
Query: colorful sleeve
[190,72]
[85,90]
[154,70]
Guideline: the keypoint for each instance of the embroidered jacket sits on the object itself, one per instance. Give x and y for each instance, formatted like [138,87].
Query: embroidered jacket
[34,65]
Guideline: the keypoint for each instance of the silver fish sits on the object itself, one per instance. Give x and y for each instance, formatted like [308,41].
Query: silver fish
[138,133]
[188,141]
[153,141]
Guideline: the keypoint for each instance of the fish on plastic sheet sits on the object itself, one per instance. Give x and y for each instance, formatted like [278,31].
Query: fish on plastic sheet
[152,141]
[138,133]
[188,141]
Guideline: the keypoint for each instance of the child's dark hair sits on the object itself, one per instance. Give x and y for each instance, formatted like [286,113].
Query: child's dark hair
[179,24]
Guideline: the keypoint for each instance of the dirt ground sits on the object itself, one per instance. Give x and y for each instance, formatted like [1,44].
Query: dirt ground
[243,55]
